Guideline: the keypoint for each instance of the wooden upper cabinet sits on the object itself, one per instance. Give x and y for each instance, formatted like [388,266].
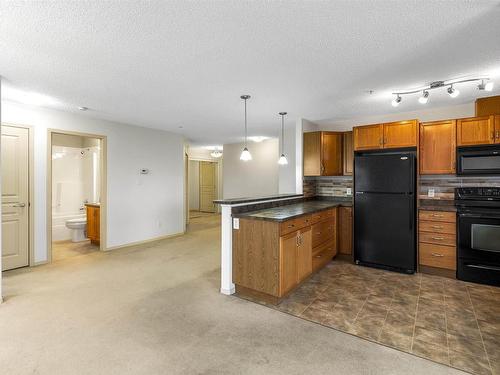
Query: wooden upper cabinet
[497,129]
[437,147]
[312,154]
[368,137]
[488,106]
[323,154]
[331,154]
[348,154]
[476,131]
[400,134]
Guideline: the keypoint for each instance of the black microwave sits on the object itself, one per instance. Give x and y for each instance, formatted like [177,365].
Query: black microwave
[477,160]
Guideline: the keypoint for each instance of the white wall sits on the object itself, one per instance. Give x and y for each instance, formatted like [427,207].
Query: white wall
[255,178]
[287,173]
[424,114]
[140,207]
[194,185]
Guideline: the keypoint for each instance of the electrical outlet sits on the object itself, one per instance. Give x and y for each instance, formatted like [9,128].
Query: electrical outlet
[236,223]
[431,193]
[349,191]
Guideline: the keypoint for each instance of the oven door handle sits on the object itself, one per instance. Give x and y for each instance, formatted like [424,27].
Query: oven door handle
[479,216]
[491,268]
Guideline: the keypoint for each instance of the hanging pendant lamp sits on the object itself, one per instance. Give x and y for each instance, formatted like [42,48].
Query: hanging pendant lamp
[282,160]
[245,154]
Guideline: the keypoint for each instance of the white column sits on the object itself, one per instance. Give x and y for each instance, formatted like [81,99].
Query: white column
[226,262]
[1,295]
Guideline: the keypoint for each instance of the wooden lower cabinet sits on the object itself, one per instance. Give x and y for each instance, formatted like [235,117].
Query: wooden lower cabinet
[94,224]
[270,259]
[345,230]
[437,241]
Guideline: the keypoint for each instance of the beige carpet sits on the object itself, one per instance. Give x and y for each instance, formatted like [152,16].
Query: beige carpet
[67,249]
[156,310]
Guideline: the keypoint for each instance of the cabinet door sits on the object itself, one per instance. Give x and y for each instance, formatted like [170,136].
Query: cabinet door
[438,147]
[348,148]
[368,137]
[312,154]
[97,224]
[288,262]
[90,223]
[488,106]
[304,255]
[497,129]
[475,131]
[331,154]
[400,134]
[345,230]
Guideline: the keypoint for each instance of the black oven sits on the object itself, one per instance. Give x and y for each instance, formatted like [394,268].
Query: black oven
[478,160]
[478,251]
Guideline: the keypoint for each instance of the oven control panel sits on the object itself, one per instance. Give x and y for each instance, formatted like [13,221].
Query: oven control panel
[477,193]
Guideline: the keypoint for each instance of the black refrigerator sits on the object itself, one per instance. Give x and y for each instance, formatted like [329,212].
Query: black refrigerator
[385,210]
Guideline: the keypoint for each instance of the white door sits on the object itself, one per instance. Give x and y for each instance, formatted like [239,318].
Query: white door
[15,203]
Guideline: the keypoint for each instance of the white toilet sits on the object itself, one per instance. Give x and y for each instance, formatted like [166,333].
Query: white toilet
[78,229]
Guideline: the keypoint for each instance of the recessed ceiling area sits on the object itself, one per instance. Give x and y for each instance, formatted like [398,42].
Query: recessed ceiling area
[182,66]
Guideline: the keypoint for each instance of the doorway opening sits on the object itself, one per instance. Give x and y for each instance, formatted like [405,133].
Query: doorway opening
[76,181]
[203,181]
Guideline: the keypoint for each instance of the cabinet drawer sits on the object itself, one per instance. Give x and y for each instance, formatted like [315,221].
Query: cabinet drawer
[321,215]
[437,227]
[323,231]
[442,216]
[438,238]
[438,256]
[323,254]
[295,224]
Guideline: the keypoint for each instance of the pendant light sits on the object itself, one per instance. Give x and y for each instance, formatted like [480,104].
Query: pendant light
[282,160]
[245,154]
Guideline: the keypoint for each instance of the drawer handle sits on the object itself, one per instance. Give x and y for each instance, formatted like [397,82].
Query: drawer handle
[438,238]
[291,226]
[437,255]
[318,233]
[318,256]
[437,226]
[437,215]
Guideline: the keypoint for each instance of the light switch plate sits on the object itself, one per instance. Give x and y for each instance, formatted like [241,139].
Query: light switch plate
[236,223]
[431,193]
[349,191]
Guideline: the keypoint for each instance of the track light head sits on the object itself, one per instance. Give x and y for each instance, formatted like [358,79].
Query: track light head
[453,92]
[396,101]
[424,98]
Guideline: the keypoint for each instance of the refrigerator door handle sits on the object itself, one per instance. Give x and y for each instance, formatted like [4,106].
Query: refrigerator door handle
[410,204]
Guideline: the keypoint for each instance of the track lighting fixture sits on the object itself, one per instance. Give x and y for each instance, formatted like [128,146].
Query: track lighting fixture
[396,100]
[424,98]
[485,84]
[453,92]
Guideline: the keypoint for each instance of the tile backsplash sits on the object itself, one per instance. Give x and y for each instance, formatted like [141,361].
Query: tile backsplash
[443,185]
[334,186]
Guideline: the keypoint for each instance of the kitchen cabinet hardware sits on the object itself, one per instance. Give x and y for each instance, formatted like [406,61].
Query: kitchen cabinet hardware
[437,255]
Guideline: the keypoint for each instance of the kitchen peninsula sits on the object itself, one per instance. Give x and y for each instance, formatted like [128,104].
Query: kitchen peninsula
[276,248]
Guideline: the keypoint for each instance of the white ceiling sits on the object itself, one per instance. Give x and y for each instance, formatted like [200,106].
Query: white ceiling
[165,64]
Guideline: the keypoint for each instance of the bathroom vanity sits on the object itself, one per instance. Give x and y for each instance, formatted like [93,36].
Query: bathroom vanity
[94,222]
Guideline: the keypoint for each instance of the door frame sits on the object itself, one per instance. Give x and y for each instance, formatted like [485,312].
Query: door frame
[31,190]
[103,188]
[219,179]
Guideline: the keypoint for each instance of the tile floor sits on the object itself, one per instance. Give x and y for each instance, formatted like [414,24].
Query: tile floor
[67,249]
[445,320]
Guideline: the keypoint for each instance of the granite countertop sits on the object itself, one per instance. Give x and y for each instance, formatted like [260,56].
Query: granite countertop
[291,211]
[256,199]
